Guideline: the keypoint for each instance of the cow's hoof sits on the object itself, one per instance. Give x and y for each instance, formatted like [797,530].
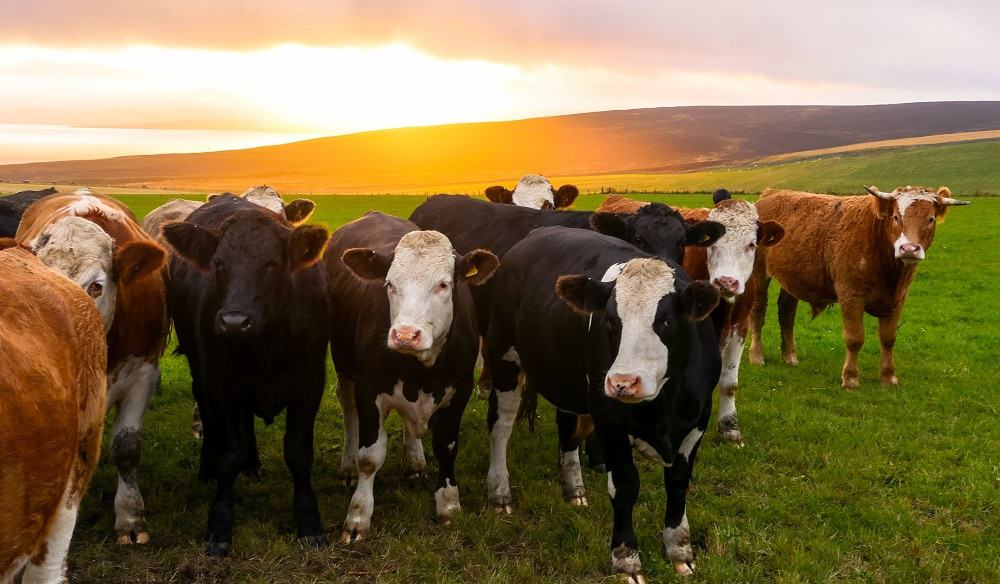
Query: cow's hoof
[891,380]
[197,433]
[850,382]
[632,578]
[684,568]
[318,541]
[756,359]
[577,501]
[504,509]
[483,392]
[217,549]
[733,436]
[791,360]
[351,536]
[132,537]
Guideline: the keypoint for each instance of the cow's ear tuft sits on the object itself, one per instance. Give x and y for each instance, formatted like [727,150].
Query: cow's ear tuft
[769,233]
[193,243]
[704,233]
[499,194]
[366,264]
[298,211]
[137,259]
[699,299]
[306,244]
[476,267]
[583,294]
[610,224]
[565,196]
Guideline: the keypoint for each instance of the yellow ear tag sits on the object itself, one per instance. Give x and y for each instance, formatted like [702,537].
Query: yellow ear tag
[472,272]
[704,237]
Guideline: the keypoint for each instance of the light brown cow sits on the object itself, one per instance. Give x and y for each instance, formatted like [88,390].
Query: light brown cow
[52,392]
[534,191]
[96,242]
[860,251]
[729,265]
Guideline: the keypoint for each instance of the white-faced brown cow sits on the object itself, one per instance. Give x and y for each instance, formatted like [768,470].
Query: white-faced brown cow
[96,242]
[860,251]
[729,264]
[534,191]
[52,392]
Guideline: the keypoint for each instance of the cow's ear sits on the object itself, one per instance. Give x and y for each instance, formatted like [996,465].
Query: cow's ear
[583,294]
[298,211]
[565,196]
[305,245]
[476,267]
[499,194]
[366,264]
[769,233]
[193,243]
[137,259]
[699,299]
[704,233]
[610,224]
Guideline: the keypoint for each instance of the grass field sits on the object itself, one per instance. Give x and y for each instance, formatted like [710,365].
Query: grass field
[872,485]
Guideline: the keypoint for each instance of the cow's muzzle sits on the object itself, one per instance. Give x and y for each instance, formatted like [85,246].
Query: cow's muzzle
[728,287]
[233,323]
[911,252]
[625,387]
[407,338]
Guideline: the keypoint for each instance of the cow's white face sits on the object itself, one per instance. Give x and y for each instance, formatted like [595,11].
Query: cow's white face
[534,191]
[731,258]
[266,197]
[419,285]
[84,253]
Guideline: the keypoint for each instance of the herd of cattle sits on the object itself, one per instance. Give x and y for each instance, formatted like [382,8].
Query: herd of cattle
[625,319]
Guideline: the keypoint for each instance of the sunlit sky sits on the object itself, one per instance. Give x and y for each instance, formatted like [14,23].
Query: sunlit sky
[320,67]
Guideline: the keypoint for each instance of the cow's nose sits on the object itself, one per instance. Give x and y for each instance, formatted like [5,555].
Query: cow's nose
[726,285]
[405,336]
[623,385]
[910,250]
[234,322]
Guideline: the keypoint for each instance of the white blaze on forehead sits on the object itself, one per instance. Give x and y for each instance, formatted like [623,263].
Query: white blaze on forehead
[266,197]
[731,255]
[87,203]
[533,191]
[84,253]
[638,290]
[909,195]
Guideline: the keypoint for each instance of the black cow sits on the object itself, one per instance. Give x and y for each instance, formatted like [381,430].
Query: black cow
[12,208]
[404,338]
[598,327]
[250,307]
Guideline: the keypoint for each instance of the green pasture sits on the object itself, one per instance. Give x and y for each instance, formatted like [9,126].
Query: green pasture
[873,485]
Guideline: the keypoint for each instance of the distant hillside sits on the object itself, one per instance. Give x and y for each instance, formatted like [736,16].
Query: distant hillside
[409,159]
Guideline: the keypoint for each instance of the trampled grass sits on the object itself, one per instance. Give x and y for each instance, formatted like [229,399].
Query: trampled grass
[875,485]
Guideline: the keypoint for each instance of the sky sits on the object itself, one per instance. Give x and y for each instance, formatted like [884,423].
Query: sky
[321,67]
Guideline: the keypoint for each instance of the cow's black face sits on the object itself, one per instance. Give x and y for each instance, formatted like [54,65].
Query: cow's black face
[658,230]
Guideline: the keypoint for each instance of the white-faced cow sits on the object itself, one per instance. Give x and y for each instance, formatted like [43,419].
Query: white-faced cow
[404,338]
[860,251]
[536,192]
[251,313]
[12,208]
[729,264]
[96,242]
[598,327]
[52,390]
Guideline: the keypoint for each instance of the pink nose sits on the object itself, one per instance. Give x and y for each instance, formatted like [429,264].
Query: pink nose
[623,385]
[728,286]
[405,336]
[910,250]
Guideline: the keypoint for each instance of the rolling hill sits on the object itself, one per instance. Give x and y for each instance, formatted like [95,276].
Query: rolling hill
[409,159]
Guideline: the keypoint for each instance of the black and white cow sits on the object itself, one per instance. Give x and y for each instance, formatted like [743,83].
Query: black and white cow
[250,308]
[404,338]
[598,327]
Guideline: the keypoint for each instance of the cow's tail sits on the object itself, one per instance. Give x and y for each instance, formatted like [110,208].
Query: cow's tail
[529,403]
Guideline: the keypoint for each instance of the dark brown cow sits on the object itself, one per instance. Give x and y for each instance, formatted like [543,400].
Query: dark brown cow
[97,242]
[52,392]
[859,251]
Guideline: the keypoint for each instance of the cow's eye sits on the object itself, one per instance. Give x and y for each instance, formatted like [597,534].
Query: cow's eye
[95,289]
[932,220]
[752,246]
[390,287]
[442,286]
[897,219]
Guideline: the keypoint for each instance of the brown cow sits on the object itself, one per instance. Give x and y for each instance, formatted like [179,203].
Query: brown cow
[96,242]
[729,264]
[860,251]
[534,191]
[52,392]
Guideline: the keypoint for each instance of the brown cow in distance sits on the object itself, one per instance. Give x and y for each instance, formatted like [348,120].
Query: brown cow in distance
[860,251]
[729,264]
[96,242]
[52,392]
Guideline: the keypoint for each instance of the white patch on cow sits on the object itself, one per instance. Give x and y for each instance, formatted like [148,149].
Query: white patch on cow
[611,486]
[498,479]
[130,387]
[689,442]
[646,449]
[415,414]
[266,197]
[625,560]
[370,460]
[909,195]
[897,247]
[613,271]
[451,447]
[419,285]
[87,203]
[571,474]
[53,565]
[732,350]
[512,356]
[83,252]
[638,290]
[732,255]
[446,500]
[533,191]
[677,541]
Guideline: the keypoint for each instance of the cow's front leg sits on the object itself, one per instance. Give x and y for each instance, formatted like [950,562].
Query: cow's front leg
[757,315]
[570,473]
[349,461]
[887,327]
[447,422]
[301,420]
[130,387]
[728,422]
[500,420]
[371,457]
[676,479]
[623,488]
[787,307]
[852,312]
[222,513]
[414,463]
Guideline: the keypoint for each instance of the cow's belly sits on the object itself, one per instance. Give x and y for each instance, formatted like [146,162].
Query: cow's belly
[415,414]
